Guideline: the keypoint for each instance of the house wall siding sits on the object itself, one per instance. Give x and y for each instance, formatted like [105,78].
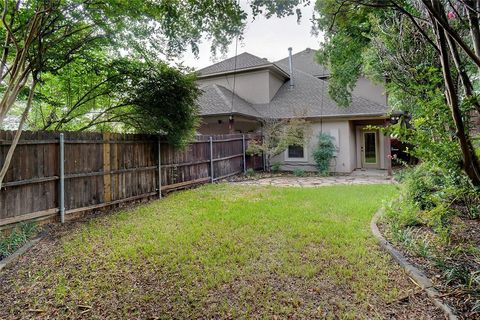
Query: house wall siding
[344,161]
[253,86]
[371,91]
[274,83]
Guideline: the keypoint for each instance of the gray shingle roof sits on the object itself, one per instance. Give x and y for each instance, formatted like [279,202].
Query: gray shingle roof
[244,61]
[309,98]
[304,61]
[217,99]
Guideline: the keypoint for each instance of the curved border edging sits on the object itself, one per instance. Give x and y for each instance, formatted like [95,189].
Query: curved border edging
[418,276]
[11,258]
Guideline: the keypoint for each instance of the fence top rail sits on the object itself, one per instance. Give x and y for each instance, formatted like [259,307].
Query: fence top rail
[50,137]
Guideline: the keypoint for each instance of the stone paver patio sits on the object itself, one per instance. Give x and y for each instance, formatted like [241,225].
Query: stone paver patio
[356,177]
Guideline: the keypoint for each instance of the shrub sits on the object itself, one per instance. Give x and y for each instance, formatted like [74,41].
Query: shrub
[425,185]
[323,153]
[250,172]
[403,213]
[297,172]
[276,167]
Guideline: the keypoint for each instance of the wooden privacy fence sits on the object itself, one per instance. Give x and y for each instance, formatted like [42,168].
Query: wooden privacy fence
[101,170]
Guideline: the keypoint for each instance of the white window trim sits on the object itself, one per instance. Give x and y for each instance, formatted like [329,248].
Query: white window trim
[304,159]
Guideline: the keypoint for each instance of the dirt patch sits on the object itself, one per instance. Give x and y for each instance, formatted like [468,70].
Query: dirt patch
[151,293]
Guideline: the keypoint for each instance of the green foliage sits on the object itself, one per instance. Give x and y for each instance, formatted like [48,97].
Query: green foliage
[297,172]
[402,214]
[278,135]
[276,167]
[250,173]
[323,153]
[18,236]
[343,50]
[384,42]
[164,102]
[119,95]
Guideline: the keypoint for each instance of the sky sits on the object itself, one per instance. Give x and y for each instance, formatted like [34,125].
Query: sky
[266,38]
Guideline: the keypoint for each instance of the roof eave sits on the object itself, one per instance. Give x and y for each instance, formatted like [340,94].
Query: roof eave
[261,67]
[234,113]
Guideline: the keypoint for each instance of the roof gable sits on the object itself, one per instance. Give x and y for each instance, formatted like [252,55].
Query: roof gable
[305,61]
[243,61]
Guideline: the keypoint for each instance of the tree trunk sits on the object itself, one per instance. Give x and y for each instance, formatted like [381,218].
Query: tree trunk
[470,166]
[8,158]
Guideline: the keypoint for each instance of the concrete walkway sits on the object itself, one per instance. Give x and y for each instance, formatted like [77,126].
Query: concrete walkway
[357,177]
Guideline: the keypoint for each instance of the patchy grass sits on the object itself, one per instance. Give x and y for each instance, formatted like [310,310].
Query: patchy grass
[219,251]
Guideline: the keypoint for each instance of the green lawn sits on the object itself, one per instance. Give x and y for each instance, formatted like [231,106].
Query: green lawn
[219,251]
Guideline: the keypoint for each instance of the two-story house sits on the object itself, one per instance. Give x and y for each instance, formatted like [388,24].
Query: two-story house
[241,91]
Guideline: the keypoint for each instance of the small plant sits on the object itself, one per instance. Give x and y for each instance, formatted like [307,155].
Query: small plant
[297,172]
[250,173]
[324,152]
[276,167]
[16,238]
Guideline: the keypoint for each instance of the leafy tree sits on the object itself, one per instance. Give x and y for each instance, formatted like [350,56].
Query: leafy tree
[406,41]
[164,101]
[277,135]
[119,95]
[45,36]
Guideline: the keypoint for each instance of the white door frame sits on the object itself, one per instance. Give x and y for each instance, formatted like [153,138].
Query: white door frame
[360,141]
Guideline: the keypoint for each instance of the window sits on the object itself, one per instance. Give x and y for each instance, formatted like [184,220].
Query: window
[295,152]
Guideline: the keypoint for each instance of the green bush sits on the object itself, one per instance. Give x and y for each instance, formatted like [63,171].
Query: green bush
[403,213]
[276,167]
[297,172]
[426,185]
[250,172]
[323,153]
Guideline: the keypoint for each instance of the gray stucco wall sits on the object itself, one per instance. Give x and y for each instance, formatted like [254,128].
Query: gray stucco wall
[344,161]
[347,140]
[371,91]
[256,87]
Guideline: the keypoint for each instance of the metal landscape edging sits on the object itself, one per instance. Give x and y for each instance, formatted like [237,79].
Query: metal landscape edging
[14,256]
[416,274]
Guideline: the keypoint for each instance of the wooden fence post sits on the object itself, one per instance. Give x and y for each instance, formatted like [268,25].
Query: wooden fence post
[61,186]
[107,179]
[211,160]
[159,169]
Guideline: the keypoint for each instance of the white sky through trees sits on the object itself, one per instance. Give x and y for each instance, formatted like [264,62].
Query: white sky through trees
[266,38]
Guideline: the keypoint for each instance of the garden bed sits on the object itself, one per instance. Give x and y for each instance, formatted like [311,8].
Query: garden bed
[452,265]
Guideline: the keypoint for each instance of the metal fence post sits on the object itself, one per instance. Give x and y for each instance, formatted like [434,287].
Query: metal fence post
[211,160]
[244,156]
[61,187]
[159,169]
